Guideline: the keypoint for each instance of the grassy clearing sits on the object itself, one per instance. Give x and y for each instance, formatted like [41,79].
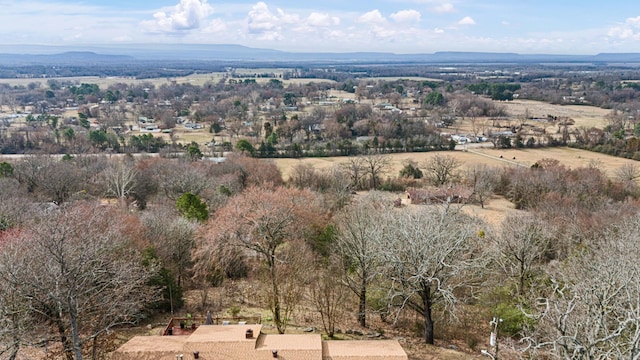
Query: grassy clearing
[104,82]
[585,116]
[571,158]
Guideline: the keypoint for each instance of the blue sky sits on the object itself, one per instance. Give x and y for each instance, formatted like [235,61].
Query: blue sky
[400,26]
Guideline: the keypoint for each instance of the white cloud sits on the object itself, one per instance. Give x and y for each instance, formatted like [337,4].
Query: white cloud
[287,18]
[216,26]
[261,18]
[372,17]
[268,26]
[186,15]
[467,20]
[630,29]
[322,20]
[444,8]
[406,16]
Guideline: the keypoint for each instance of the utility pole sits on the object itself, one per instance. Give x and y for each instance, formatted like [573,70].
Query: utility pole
[494,336]
[493,339]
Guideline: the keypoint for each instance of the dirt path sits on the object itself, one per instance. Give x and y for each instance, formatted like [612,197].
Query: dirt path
[498,158]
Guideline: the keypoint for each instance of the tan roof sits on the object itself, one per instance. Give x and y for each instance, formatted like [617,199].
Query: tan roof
[364,349]
[290,342]
[224,333]
[151,348]
[154,343]
[230,342]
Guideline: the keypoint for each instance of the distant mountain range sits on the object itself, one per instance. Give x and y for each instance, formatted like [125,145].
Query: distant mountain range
[123,54]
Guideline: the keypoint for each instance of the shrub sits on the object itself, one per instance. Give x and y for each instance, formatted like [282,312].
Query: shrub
[513,319]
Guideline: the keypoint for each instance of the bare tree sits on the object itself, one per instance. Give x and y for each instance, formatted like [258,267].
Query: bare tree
[174,239]
[523,118]
[482,180]
[441,169]
[628,172]
[120,179]
[18,326]
[524,241]
[175,178]
[356,168]
[592,308]
[82,277]
[112,117]
[375,166]
[269,223]
[360,232]
[430,255]
[311,122]
[50,179]
[328,295]
[15,204]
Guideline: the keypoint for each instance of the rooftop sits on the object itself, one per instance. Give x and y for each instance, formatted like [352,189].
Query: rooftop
[232,342]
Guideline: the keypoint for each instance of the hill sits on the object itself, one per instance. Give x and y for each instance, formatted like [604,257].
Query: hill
[37,54]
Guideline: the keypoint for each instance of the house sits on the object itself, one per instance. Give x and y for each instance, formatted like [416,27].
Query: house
[439,195]
[193,126]
[242,341]
[150,128]
[460,139]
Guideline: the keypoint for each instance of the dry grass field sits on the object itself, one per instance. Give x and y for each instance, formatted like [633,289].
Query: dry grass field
[497,208]
[585,116]
[572,158]
[105,82]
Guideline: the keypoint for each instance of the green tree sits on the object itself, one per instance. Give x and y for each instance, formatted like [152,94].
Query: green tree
[6,169]
[98,138]
[191,207]
[272,139]
[410,170]
[434,99]
[83,119]
[109,96]
[505,142]
[172,293]
[193,151]
[244,145]
[68,134]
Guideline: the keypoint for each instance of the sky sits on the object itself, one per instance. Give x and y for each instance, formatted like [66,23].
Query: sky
[400,26]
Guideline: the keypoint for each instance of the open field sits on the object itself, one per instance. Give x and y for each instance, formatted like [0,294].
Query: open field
[585,116]
[396,78]
[105,82]
[479,155]
[497,208]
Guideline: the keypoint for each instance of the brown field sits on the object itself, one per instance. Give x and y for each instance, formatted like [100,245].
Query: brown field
[396,78]
[105,82]
[572,158]
[587,116]
[497,208]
